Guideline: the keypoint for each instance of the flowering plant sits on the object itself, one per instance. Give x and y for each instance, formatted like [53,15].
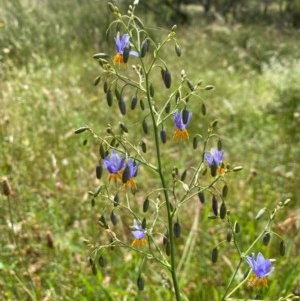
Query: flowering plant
[156,229]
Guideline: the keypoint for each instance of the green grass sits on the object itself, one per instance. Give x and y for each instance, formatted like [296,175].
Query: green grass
[47,91]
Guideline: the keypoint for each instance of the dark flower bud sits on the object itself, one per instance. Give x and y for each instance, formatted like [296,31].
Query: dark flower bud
[84,143]
[134,102]
[103,222]
[229,235]
[209,87]
[145,47]
[163,136]
[151,90]
[223,210]
[126,174]
[166,76]
[177,97]
[102,261]
[97,191]
[225,191]
[266,238]
[165,238]
[177,229]
[140,283]
[168,108]
[122,106]
[185,116]
[146,205]
[116,200]
[144,147]
[214,255]
[105,87]
[282,248]
[102,151]
[145,126]
[214,205]
[201,196]
[190,85]
[98,171]
[113,142]
[81,130]
[203,109]
[177,49]
[113,218]
[214,123]
[126,51]
[236,227]
[183,176]
[195,142]
[142,105]
[123,127]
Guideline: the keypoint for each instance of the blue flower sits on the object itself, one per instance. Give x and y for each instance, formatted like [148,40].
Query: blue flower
[261,267]
[132,172]
[181,132]
[114,164]
[214,160]
[139,235]
[120,45]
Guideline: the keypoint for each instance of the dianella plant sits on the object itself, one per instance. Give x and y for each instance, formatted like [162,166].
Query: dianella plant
[150,167]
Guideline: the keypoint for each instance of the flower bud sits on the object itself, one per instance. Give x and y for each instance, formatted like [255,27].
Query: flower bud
[140,283]
[282,248]
[144,147]
[134,102]
[166,76]
[266,238]
[201,196]
[223,210]
[126,51]
[117,93]
[109,98]
[145,126]
[190,85]
[165,238]
[105,87]
[177,49]
[225,191]
[236,227]
[100,55]
[163,136]
[145,47]
[195,142]
[102,261]
[168,248]
[214,255]
[126,174]
[151,90]
[142,105]
[260,213]
[102,151]
[214,205]
[185,116]
[123,127]
[229,235]
[177,229]
[116,200]
[183,176]
[168,108]
[146,205]
[122,106]
[113,218]
[203,109]
[81,130]
[98,171]
[97,80]
[177,97]
[209,87]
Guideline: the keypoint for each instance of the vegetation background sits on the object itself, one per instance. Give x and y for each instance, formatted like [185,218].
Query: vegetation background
[249,52]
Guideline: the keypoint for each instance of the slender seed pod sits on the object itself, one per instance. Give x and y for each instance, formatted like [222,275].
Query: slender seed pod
[81,130]
[201,196]
[99,171]
[219,145]
[214,255]
[109,98]
[122,106]
[133,103]
[195,142]
[215,205]
[144,223]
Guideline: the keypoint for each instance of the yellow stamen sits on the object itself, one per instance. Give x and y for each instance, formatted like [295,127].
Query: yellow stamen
[115,176]
[139,242]
[221,170]
[118,58]
[181,134]
[130,183]
[255,281]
